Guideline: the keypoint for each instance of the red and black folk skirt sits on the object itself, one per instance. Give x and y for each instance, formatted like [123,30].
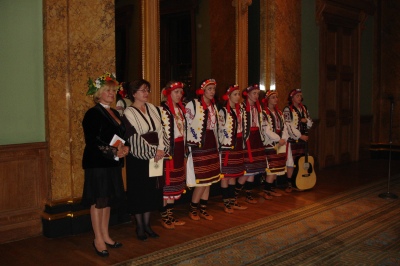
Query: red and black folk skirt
[232,161]
[255,157]
[206,161]
[174,172]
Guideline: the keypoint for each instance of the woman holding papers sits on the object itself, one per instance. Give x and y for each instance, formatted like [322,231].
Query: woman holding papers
[174,122]
[275,142]
[145,134]
[203,166]
[103,186]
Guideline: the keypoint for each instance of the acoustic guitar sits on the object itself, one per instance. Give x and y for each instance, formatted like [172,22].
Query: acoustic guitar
[306,177]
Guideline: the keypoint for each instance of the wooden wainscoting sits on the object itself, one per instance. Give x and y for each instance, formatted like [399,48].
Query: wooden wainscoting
[23,191]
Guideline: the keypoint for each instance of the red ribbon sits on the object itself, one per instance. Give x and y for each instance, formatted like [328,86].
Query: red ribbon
[169,165]
[249,151]
[226,158]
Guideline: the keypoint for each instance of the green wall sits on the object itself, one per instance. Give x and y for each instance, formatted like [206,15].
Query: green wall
[22,114]
[309,57]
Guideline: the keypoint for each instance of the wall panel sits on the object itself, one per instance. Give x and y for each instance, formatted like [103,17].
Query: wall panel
[24,190]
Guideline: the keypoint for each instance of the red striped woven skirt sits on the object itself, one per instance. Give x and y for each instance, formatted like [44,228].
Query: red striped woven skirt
[174,172]
[254,155]
[206,161]
[232,161]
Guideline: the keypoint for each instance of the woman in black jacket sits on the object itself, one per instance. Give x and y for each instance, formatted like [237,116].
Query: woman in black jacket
[102,161]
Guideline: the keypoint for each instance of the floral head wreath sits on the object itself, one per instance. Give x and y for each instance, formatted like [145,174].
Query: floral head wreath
[268,94]
[292,93]
[246,92]
[95,85]
[200,91]
[249,89]
[228,92]
[167,92]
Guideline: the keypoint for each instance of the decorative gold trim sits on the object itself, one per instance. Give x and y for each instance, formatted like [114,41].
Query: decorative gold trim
[63,202]
[70,214]
[151,47]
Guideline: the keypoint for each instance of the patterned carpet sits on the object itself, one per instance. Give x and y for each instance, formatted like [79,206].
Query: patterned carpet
[352,228]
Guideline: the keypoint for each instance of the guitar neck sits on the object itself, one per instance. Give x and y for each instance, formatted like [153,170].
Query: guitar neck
[304,129]
[306,151]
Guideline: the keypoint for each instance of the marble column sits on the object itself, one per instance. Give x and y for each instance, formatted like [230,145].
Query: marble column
[78,43]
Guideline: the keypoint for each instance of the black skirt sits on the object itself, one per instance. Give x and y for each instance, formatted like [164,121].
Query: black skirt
[144,194]
[103,187]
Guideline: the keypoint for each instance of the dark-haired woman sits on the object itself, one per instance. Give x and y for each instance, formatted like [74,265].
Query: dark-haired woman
[254,154]
[230,134]
[275,141]
[298,123]
[174,122]
[145,134]
[203,167]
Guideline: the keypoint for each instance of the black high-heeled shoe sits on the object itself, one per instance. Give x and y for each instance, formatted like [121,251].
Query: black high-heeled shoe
[152,234]
[103,253]
[115,245]
[141,237]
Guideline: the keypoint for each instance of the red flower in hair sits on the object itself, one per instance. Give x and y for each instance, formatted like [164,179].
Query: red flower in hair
[199,91]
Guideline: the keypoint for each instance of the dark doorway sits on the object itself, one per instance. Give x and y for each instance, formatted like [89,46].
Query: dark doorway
[178,42]
[176,48]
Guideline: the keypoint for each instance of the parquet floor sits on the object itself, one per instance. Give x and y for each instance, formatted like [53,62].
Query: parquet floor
[78,250]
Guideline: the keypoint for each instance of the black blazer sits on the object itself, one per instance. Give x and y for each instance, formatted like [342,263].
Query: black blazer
[99,128]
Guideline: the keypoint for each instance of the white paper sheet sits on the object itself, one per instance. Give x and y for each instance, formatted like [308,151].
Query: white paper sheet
[116,140]
[156,168]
